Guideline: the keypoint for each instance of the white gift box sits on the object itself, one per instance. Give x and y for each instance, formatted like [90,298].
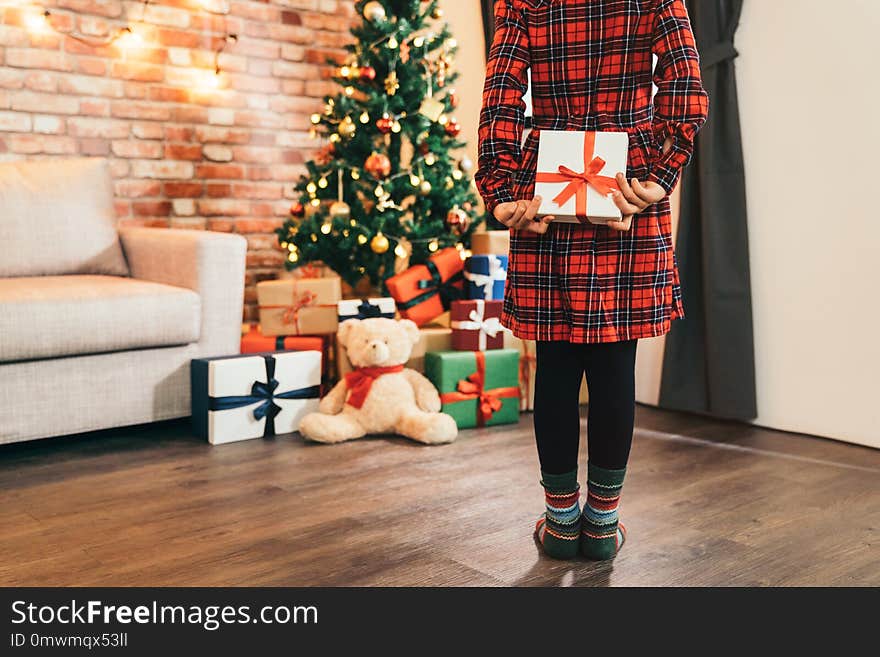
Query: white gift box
[252,396]
[366,308]
[575,174]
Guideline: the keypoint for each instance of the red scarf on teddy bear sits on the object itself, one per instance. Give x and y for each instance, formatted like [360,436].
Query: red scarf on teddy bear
[361,380]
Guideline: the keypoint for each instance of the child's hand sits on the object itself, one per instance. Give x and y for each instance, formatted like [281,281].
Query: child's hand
[520,215]
[632,199]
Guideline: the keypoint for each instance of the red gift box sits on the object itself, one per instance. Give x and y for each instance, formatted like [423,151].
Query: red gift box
[424,292]
[476,325]
[255,342]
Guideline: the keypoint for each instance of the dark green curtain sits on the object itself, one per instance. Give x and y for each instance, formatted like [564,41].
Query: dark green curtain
[709,363]
[488,22]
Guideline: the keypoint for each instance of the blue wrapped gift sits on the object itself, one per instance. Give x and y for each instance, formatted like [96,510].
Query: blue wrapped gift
[367,308]
[254,395]
[485,276]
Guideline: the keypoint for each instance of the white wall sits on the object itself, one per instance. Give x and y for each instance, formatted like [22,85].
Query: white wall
[809,100]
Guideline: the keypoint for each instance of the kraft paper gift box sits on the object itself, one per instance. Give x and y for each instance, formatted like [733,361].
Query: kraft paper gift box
[242,397]
[424,292]
[476,325]
[527,369]
[486,276]
[491,242]
[575,174]
[254,342]
[301,306]
[477,388]
[431,338]
[366,308]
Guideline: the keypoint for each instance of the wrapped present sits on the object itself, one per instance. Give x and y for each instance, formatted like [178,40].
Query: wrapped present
[575,174]
[301,306]
[254,342]
[242,397]
[366,308]
[477,388]
[527,369]
[485,276]
[491,242]
[476,325]
[431,338]
[423,292]
[309,270]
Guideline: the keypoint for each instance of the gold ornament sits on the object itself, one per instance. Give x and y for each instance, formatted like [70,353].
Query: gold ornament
[425,188]
[437,14]
[374,11]
[340,210]
[379,244]
[346,127]
[392,84]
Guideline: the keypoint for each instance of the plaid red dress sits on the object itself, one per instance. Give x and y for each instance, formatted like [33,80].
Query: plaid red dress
[591,69]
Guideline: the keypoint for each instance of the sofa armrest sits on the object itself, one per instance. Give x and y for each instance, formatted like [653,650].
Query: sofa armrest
[211,264]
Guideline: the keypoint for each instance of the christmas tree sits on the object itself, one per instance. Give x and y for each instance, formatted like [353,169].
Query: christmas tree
[385,190]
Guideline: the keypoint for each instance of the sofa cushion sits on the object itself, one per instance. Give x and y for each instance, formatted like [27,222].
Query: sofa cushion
[51,316]
[57,217]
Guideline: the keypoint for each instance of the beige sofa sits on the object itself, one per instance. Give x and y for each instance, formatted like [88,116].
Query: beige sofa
[97,327]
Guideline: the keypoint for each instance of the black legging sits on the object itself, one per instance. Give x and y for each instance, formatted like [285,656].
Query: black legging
[610,370]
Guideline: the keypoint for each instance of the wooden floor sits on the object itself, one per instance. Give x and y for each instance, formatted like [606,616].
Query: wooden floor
[705,503]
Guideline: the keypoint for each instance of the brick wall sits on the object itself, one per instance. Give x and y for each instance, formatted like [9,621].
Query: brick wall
[188,149]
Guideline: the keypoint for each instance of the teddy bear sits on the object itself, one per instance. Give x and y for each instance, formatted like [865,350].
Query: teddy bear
[380,395]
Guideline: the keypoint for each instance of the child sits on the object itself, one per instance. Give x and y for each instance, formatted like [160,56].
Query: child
[587,293]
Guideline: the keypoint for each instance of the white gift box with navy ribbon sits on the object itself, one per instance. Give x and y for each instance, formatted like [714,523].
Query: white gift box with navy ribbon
[367,308]
[486,276]
[252,396]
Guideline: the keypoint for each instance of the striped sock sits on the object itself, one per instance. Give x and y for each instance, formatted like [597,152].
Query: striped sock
[559,528]
[602,535]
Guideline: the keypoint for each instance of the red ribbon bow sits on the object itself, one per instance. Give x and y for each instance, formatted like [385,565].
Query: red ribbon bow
[473,387]
[291,312]
[578,182]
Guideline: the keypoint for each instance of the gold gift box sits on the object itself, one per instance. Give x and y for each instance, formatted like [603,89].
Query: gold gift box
[301,306]
[491,242]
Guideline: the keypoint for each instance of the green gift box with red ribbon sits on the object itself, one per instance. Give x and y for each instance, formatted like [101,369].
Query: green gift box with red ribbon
[477,388]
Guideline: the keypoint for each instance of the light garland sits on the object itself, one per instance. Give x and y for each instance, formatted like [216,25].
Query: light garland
[126,35]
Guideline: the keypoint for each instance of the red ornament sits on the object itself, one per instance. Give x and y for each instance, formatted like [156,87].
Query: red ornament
[297,209]
[424,148]
[368,73]
[458,221]
[385,124]
[378,165]
[452,128]
[453,98]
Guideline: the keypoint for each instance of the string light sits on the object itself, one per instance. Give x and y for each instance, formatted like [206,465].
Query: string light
[433,245]
[128,37]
